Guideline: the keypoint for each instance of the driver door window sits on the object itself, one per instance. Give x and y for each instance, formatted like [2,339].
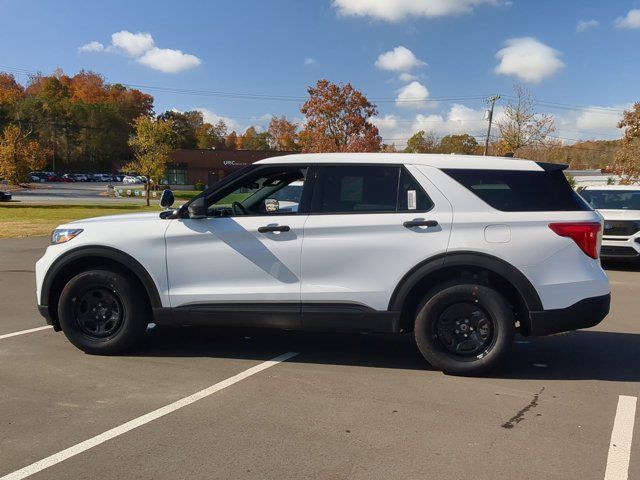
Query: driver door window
[265,192]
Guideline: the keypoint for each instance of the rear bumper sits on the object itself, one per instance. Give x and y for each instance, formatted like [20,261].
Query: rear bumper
[583,314]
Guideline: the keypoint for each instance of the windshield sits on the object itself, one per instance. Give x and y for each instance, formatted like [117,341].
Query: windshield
[612,199]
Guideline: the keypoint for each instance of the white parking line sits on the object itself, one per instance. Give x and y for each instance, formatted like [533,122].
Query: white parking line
[22,332]
[144,419]
[621,439]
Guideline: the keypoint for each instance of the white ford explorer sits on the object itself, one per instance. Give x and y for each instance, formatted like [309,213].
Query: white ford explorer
[620,207]
[460,250]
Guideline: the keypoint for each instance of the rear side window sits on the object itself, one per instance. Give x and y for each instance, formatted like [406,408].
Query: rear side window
[521,191]
[368,189]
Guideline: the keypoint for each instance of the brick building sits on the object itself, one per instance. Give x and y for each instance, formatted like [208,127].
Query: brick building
[189,166]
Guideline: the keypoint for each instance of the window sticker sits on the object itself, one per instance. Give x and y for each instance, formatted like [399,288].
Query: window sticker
[411,199]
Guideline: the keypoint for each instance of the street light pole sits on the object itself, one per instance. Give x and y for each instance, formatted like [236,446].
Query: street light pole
[493,104]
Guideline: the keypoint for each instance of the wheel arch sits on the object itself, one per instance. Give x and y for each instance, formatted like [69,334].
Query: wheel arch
[466,266]
[82,258]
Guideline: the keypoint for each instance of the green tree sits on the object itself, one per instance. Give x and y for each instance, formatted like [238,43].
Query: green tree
[152,144]
[463,144]
[185,127]
[252,140]
[212,136]
[421,142]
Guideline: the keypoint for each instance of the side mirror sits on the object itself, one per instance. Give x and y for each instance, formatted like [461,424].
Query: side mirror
[271,205]
[197,209]
[167,198]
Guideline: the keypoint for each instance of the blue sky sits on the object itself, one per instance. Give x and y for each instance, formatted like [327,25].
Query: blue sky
[580,53]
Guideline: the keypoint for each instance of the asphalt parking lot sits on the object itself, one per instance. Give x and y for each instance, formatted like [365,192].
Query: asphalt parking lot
[342,407]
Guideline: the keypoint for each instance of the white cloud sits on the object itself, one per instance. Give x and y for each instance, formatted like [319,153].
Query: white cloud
[528,59]
[595,122]
[213,118]
[630,20]
[168,60]
[91,47]
[134,44]
[396,10]
[586,25]
[413,95]
[142,48]
[407,77]
[309,61]
[400,59]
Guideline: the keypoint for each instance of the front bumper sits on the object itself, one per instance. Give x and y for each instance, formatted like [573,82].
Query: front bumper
[583,314]
[44,311]
[620,247]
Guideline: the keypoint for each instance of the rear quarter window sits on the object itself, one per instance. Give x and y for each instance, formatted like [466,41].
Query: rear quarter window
[521,191]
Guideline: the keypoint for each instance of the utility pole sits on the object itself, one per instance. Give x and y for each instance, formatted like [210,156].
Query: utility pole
[492,100]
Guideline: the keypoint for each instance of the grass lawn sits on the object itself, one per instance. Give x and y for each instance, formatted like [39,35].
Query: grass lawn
[30,220]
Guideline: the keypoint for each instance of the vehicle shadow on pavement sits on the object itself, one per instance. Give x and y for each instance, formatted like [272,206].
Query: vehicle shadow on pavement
[580,355]
[380,351]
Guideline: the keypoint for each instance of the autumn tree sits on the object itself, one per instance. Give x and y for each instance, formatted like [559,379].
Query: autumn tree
[212,136]
[283,134]
[421,142]
[152,144]
[338,120]
[464,144]
[231,142]
[251,139]
[84,121]
[521,126]
[627,162]
[19,154]
[185,127]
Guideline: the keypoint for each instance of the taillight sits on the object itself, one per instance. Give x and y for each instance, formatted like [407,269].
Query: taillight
[585,234]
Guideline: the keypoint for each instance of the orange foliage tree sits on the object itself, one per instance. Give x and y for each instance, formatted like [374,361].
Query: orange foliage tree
[338,120]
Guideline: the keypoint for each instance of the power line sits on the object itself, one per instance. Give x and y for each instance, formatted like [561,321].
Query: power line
[297,98]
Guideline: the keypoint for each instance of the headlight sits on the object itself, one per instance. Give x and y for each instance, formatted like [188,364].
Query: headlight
[62,235]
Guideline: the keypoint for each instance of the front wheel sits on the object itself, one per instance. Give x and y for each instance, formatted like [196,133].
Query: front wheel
[465,329]
[103,312]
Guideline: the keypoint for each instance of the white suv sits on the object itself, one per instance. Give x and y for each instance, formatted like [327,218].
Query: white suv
[459,250]
[620,207]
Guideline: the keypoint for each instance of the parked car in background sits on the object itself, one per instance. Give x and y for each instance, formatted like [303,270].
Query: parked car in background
[459,250]
[5,196]
[142,178]
[619,205]
[39,176]
[55,178]
[130,180]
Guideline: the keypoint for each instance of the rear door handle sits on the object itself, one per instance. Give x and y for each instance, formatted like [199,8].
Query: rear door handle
[274,228]
[420,223]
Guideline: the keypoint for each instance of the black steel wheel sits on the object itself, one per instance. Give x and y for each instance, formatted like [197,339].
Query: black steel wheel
[99,312]
[103,311]
[465,329]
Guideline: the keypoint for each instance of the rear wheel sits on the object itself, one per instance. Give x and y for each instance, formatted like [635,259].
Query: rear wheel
[103,312]
[465,329]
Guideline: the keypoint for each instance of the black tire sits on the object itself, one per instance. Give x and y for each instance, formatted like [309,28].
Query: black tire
[103,312]
[464,329]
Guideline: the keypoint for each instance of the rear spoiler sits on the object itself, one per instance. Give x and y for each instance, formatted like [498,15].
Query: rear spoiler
[552,167]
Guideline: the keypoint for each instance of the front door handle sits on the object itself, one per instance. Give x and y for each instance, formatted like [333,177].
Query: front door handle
[420,223]
[274,228]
